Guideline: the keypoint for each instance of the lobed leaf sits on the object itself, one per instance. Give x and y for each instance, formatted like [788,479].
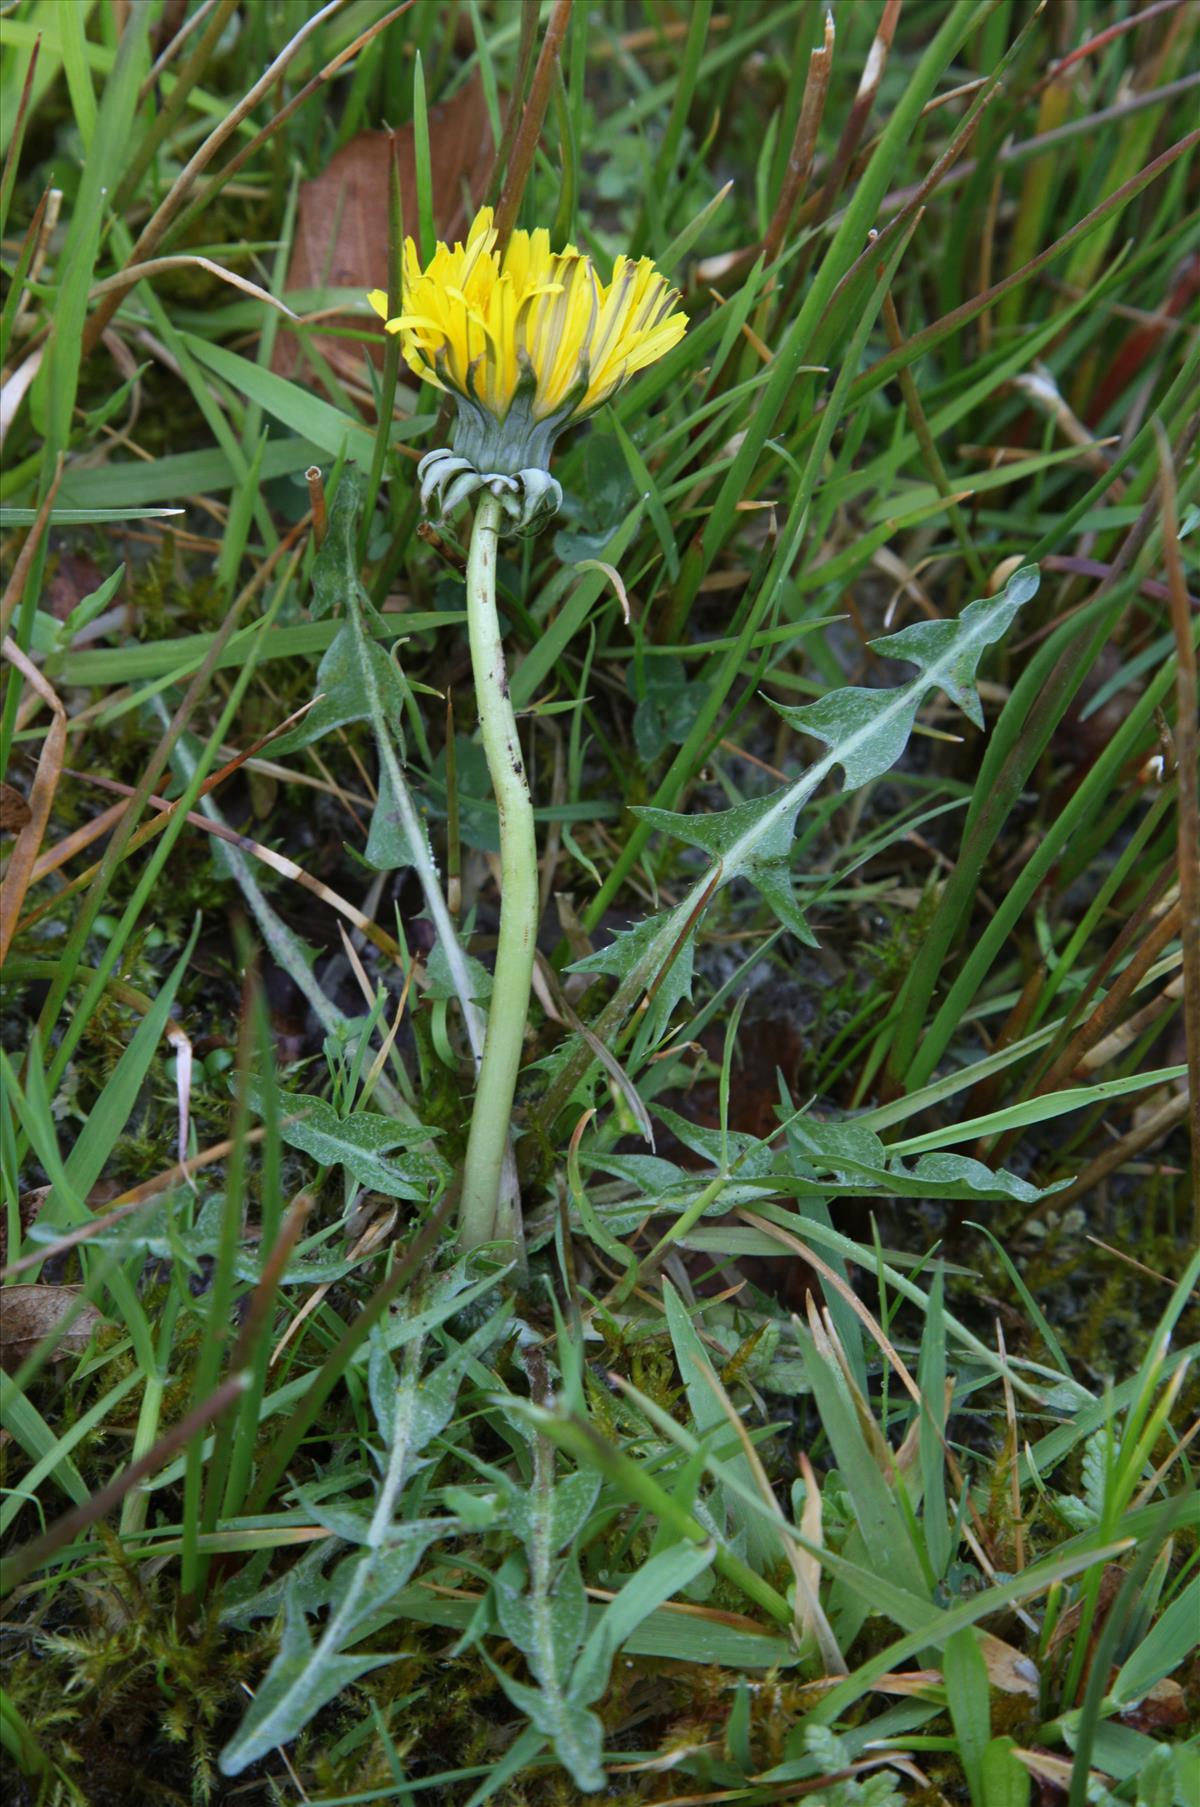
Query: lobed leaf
[362,1143]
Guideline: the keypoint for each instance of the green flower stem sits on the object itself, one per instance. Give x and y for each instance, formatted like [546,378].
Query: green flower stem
[488,1211]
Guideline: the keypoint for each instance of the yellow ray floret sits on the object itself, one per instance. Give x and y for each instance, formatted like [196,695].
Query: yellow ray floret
[476,321]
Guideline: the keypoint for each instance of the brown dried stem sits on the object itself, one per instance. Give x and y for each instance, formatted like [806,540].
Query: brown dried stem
[1152,1129]
[133,1200]
[804,144]
[860,109]
[175,43]
[16,584]
[799,168]
[170,108]
[41,799]
[150,829]
[530,128]
[237,162]
[316,497]
[13,157]
[1108,1011]
[267,856]
[529,24]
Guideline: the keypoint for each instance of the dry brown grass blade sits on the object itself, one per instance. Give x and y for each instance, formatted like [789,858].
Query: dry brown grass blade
[77,841]
[379,938]
[681,939]
[29,259]
[878,1336]
[1177,1450]
[1108,1012]
[1128,1032]
[1096,123]
[874,1330]
[41,798]
[227,172]
[1189,804]
[987,298]
[914,204]
[796,175]
[784,1791]
[1104,38]
[1008,1457]
[16,584]
[555,1003]
[830,1347]
[173,46]
[158,266]
[265,855]
[169,107]
[255,1322]
[1150,1130]
[811,1524]
[530,128]
[13,155]
[385,1047]
[810,1615]
[800,159]
[368,1244]
[530,10]
[860,110]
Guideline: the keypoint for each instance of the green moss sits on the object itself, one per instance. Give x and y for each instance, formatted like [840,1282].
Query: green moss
[133,1706]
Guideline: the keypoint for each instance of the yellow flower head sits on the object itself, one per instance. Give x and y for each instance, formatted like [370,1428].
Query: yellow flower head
[528,339]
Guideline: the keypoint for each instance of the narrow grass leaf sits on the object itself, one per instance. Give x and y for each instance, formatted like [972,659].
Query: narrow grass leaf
[931,1381]
[1164,1650]
[967,1690]
[304,413]
[762,1545]
[1004,1779]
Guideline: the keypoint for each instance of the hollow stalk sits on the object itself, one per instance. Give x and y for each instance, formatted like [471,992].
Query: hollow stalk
[489,1209]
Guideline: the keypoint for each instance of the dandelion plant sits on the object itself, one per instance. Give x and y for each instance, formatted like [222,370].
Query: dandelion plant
[812,1417]
[525,341]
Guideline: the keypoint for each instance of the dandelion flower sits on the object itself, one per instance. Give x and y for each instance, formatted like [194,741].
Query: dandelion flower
[527,341]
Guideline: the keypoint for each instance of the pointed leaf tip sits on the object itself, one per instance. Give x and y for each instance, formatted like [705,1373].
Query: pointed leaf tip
[866,730]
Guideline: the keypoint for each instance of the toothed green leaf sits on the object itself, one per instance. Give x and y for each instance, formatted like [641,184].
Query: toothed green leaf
[766,864]
[647,945]
[577,1734]
[548,1628]
[343,693]
[388,844]
[362,1143]
[570,1503]
[866,730]
[295,1687]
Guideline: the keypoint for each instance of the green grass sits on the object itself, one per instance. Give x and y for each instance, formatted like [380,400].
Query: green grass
[836,1439]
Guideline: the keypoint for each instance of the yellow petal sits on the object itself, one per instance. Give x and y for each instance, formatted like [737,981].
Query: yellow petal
[480,311]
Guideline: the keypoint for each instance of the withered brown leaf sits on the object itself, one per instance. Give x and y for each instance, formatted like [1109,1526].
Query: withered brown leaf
[342,217]
[14,811]
[28,1313]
